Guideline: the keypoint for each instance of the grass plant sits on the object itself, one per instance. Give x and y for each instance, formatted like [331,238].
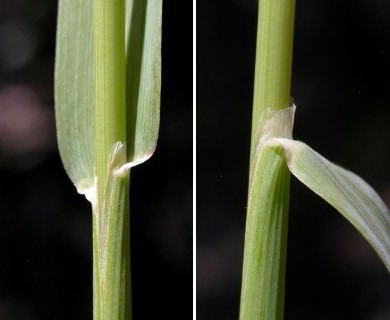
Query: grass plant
[273,154]
[107,91]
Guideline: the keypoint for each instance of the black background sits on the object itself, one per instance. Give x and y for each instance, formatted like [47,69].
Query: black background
[45,226]
[341,85]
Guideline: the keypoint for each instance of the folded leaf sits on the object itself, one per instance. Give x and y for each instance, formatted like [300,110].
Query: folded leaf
[344,190]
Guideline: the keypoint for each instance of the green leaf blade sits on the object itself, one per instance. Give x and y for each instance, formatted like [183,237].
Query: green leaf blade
[74,91]
[143,64]
[345,191]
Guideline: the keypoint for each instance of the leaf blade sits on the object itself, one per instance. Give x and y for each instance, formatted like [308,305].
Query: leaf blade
[143,64]
[74,91]
[345,191]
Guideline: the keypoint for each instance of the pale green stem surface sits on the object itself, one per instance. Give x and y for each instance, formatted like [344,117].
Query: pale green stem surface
[110,82]
[111,209]
[272,87]
[112,292]
[265,242]
[262,293]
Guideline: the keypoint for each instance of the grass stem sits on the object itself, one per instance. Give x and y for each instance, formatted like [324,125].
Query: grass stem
[111,211]
[262,294]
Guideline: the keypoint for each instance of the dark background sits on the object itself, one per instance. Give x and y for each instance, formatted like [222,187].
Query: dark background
[45,226]
[341,86]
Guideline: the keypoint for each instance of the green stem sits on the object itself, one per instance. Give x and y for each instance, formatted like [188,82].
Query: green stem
[110,81]
[111,244]
[262,294]
[272,87]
